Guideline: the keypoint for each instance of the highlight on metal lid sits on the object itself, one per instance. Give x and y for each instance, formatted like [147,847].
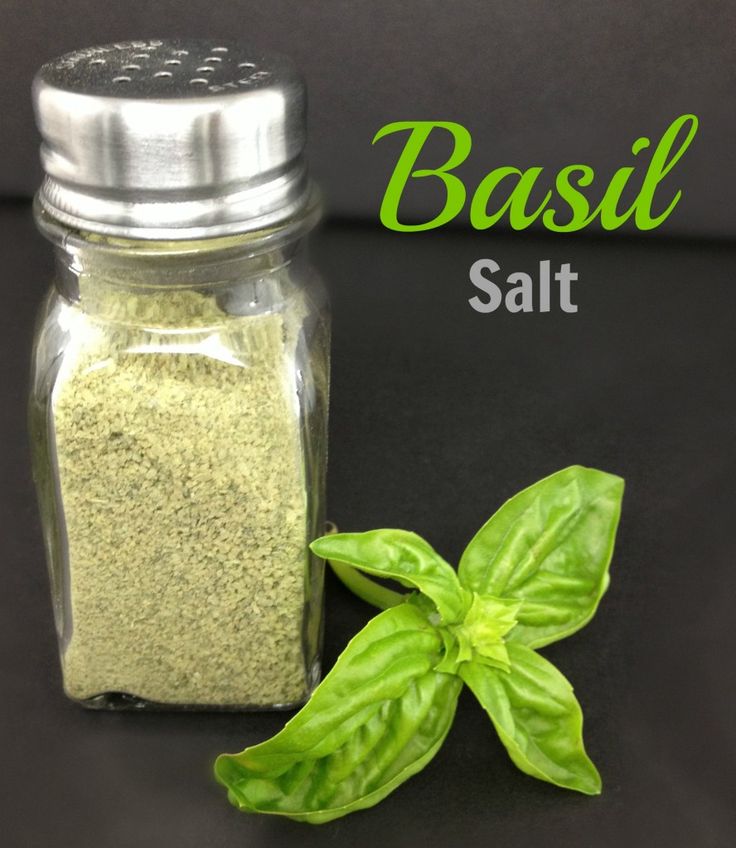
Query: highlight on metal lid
[172,139]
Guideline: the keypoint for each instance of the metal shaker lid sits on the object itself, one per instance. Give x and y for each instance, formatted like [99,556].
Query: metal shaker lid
[171,139]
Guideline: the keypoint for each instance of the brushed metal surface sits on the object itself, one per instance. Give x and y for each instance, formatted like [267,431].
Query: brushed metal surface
[171,139]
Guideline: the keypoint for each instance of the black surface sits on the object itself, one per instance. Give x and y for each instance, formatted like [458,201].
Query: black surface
[439,414]
[536,83]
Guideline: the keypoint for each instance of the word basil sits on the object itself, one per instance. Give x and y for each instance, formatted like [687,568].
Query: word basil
[533,574]
[506,191]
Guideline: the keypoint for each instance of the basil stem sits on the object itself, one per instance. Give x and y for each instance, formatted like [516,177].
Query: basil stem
[365,588]
[404,557]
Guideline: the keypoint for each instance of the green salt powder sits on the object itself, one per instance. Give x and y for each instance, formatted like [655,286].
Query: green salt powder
[183,490]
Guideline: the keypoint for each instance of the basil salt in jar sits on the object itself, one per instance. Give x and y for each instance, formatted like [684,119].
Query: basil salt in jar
[180,377]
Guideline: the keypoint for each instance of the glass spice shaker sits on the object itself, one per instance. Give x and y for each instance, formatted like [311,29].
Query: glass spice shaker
[180,377]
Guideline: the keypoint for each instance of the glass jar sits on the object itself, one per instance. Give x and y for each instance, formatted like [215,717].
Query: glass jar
[178,417]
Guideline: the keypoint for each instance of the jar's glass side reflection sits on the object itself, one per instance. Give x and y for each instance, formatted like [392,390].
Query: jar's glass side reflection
[186,441]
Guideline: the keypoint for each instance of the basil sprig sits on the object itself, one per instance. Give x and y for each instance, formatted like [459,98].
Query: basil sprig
[533,574]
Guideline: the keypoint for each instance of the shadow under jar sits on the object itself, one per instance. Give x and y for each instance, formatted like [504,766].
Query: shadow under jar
[180,382]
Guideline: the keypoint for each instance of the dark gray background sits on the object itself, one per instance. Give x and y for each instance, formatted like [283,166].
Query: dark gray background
[536,83]
[438,414]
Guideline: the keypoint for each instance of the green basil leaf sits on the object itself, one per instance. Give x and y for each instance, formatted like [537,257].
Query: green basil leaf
[550,547]
[401,556]
[537,718]
[377,718]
